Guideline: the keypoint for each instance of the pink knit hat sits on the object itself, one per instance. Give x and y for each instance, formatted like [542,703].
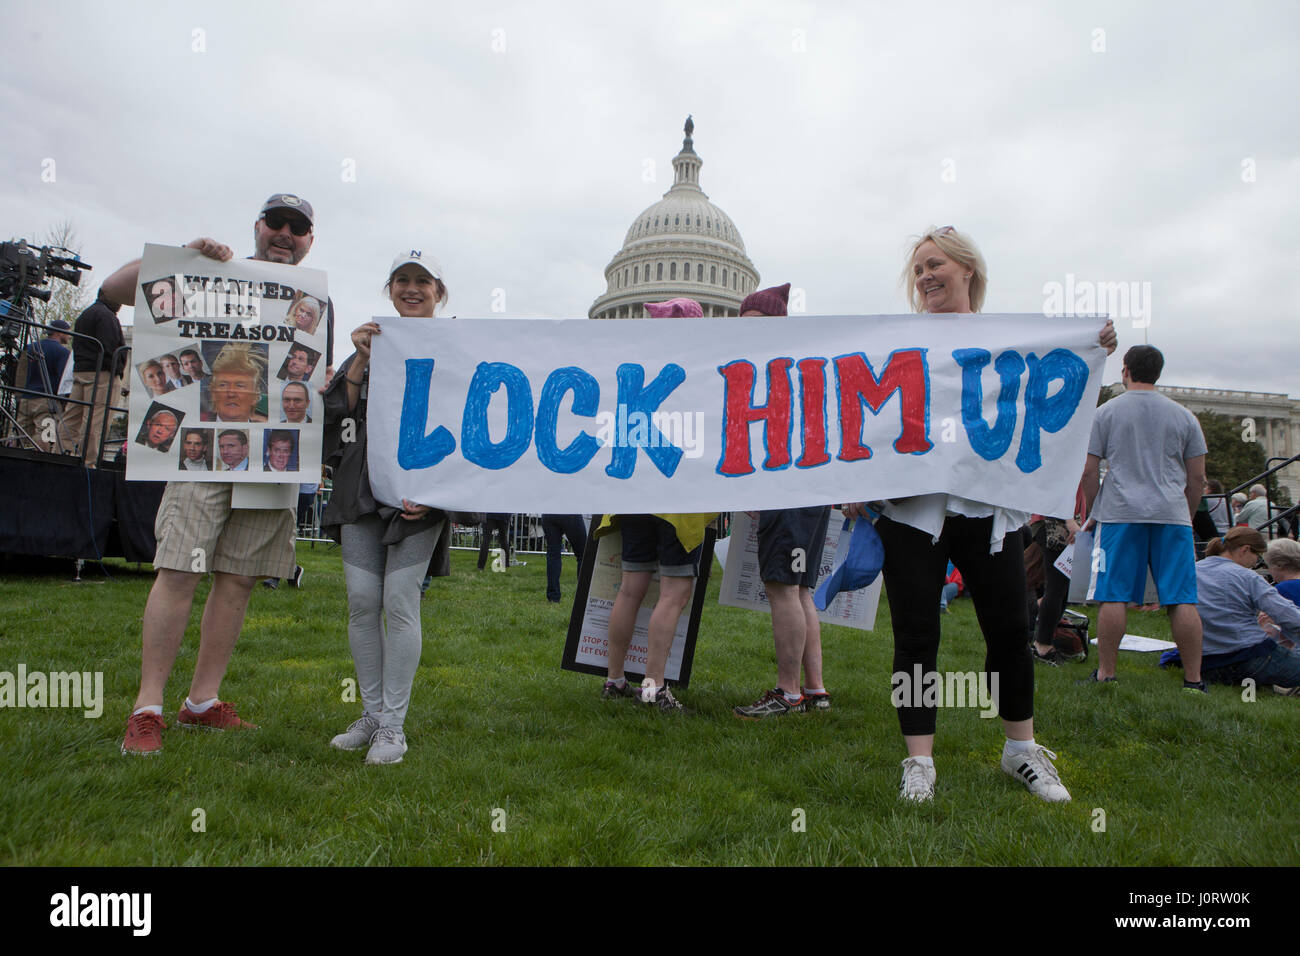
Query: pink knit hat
[675,309]
[768,301]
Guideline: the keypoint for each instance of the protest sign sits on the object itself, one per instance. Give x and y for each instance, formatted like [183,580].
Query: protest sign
[742,586]
[586,648]
[226,362]
[700,415]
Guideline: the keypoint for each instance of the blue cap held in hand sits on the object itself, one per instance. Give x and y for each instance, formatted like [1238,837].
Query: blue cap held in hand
[856,565]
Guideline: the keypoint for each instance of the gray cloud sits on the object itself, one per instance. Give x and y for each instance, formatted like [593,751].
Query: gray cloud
[824,132]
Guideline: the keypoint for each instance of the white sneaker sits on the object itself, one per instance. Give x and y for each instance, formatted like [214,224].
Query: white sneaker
[918,781]
[387,746]
[358,734]
[1035,770]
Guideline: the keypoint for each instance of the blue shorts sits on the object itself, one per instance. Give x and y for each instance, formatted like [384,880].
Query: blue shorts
[1123,552]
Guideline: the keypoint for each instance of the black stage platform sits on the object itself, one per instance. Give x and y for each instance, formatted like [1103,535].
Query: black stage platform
[53,505]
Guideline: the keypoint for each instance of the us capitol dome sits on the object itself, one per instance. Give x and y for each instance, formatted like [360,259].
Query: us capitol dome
[683,245]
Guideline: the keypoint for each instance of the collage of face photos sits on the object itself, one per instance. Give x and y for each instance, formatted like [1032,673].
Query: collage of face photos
[227,375]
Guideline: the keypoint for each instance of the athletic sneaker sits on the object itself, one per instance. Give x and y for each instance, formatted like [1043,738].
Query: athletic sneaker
[298,572]
[1094,679]
[660,698]
[612,691]
[1034,768]
[918,781]
[387,746]
[143,734]
[1197,687]
[771,704]
[220,716]
[1286,691]
[358,733]
[820,701]
[1052,657]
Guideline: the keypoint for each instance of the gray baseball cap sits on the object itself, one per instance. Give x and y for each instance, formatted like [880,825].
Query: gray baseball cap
[290,203]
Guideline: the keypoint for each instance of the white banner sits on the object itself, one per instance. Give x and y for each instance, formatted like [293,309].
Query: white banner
[700,415]
[227,359]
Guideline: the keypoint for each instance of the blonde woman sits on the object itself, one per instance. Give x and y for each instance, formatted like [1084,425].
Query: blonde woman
[945,273]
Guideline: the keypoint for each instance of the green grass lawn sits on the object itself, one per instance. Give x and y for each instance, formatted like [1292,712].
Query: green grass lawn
[495,725]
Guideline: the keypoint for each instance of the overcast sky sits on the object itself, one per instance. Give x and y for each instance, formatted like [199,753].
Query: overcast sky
[1115,142]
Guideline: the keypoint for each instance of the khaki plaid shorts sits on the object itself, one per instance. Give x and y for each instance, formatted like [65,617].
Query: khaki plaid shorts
[198,531]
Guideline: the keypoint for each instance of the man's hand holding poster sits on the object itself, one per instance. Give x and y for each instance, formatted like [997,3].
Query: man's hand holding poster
[226,369]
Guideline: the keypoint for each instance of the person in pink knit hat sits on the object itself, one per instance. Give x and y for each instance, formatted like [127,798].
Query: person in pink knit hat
[669,544]
[790,544]
[675,309]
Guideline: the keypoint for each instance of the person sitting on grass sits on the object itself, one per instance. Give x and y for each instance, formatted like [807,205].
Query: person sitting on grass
[1239,644]
[952,588]
[1283,561]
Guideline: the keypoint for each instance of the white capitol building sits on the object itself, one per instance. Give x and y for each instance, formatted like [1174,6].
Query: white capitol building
[683,245]
[1275,419]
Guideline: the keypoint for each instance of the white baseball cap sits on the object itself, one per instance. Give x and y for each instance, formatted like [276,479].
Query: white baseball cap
[418,258]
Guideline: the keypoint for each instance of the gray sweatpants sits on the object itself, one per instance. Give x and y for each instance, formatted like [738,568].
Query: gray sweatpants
[383,584]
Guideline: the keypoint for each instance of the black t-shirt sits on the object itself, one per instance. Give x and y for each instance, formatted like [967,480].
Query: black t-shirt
[101,324]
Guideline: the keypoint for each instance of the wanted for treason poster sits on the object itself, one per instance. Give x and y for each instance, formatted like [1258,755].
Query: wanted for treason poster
[227,361]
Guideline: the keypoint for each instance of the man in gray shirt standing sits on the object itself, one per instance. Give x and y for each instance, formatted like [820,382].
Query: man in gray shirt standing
[1156,453]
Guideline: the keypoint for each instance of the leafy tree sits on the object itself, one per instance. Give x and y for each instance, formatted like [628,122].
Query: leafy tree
[1232,460]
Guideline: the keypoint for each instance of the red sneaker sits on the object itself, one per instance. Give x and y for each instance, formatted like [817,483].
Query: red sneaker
[143,734]
[220,716]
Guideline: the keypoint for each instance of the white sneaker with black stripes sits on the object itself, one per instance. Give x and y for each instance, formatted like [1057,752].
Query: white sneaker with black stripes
[918,781]
[1034,768]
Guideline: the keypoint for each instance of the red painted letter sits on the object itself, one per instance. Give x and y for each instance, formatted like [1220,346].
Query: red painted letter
[812,394]
[905,373]
[739,410]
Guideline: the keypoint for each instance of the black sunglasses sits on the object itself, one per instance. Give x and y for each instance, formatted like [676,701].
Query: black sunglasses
[275,221]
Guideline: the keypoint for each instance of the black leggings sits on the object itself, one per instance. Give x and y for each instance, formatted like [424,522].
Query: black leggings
[914,573]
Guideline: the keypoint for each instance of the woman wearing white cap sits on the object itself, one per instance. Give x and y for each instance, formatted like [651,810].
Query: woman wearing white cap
[386,548]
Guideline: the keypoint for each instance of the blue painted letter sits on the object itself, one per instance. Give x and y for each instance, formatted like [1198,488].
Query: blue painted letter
[415,449]
[586,400]
[475,440]
[989,443]
[636,396]
[1049,414]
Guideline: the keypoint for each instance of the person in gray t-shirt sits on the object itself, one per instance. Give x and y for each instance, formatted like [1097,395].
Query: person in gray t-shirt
[1156,453]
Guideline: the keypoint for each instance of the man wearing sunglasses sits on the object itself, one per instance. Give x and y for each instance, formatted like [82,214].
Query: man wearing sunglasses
[239,533]
[284,232]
